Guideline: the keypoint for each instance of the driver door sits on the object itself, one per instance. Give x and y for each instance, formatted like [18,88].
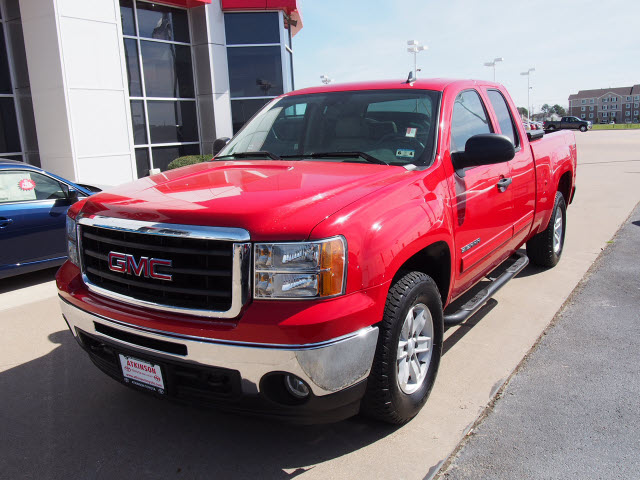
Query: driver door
[481,210]
[32,217]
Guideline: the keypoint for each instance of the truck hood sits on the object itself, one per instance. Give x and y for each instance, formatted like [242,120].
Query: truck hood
[273,200]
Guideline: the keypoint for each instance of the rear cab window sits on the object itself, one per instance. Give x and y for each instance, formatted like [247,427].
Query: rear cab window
[505,118]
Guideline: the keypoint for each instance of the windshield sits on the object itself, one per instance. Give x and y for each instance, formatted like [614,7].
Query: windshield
[396,127]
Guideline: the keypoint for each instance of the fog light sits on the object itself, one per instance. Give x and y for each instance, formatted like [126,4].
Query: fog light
[296,387]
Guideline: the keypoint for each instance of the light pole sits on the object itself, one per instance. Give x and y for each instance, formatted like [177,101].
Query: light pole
[326,80]
[528,74]
[493,64]
[415,47]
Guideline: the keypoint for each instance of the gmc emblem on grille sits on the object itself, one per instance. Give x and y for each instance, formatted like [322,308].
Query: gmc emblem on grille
[145,267]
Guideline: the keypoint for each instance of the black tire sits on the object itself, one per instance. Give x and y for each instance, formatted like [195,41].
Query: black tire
[540,249]
[384,400]
[551,128]
[583,128]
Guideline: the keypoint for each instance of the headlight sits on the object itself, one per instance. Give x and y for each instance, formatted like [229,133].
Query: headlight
[72,242]
[301,269]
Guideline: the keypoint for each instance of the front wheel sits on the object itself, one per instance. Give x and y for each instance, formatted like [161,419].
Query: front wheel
[545,248]
[583,128]
[408,352]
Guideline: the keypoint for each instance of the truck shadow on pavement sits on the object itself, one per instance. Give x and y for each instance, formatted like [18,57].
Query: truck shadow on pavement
[63,418]
[465,327]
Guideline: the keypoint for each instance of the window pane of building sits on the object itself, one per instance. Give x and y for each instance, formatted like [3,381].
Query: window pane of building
[163,156]
[9,137]
[162,22]
[172,122]
[251,28]
[243,110]
[5,76]
[254,71]
[287,36]
[167,73]
[142,162]
[288,69]
[138,122]
[126,15]
[133,69]
[167,70]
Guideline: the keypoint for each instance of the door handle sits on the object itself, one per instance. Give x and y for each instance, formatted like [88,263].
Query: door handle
[504,183]
[5,222]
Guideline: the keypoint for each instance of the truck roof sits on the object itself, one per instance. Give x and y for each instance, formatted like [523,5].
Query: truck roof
[438,84]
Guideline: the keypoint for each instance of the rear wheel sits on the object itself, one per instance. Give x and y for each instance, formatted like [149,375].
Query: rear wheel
[408,351]
[551,128]
[545,248]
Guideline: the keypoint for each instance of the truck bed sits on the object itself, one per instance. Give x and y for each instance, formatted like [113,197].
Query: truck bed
[550,153]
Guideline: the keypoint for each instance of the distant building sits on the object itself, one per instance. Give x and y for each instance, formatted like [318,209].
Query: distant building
[605,104]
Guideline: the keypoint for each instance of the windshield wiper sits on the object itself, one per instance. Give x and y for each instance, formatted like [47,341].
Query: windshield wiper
[262,153]
[363,155]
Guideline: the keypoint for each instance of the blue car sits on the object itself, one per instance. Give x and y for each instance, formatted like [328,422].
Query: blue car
[33,208]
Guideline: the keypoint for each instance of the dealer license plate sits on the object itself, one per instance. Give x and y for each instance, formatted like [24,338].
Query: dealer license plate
[142,374]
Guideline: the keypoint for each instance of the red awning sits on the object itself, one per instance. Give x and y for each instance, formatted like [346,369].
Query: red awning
[290,7]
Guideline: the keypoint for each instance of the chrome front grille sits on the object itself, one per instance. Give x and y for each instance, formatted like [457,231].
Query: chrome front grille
[209,267]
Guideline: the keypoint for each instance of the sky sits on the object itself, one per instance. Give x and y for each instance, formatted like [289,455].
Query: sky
[572,44]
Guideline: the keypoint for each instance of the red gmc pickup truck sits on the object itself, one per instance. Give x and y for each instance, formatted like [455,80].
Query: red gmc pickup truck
[309,270]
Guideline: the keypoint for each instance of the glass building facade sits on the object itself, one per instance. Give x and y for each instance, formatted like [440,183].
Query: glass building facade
[260,61]
[121,88]
[18,140]
[164,117]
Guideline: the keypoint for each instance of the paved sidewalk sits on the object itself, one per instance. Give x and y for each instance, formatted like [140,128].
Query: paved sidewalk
[573,409]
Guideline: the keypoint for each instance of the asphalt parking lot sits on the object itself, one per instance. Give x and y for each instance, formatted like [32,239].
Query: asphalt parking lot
[62,418]
[571,411]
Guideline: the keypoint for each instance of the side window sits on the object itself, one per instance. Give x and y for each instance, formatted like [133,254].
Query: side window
[469,119]
[505,120]
[24,186]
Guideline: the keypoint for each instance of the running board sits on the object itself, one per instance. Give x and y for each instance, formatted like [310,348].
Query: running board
[483,296]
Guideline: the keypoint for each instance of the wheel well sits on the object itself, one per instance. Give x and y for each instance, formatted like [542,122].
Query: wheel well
[564,186]
[435,261]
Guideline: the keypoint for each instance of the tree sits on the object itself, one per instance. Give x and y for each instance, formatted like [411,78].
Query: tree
[546,110]
[523,112]
[558,110]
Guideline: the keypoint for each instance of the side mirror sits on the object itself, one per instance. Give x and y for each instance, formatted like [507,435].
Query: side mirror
[70,195]
[483,149]
[219,144]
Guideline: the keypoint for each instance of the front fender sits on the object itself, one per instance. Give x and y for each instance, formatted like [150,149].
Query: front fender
[385,229]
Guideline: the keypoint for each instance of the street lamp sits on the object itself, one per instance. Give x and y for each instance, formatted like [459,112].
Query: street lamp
[326,80]
[415,47]
[528,74]
[493,64]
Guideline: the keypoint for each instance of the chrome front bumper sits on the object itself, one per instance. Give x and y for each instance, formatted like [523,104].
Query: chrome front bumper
[327,367]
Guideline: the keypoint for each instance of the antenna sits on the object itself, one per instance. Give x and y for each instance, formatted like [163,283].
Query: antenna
[411,78]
